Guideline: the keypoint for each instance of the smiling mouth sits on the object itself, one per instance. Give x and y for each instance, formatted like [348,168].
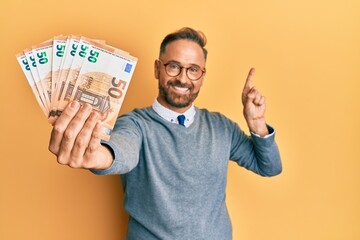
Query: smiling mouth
[181,89]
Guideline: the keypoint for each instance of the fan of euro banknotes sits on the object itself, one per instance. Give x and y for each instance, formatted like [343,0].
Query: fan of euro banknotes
[68,68]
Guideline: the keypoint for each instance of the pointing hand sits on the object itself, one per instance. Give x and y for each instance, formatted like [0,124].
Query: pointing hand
[254,106]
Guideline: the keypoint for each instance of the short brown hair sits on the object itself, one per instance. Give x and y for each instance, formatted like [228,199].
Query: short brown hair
[188,34]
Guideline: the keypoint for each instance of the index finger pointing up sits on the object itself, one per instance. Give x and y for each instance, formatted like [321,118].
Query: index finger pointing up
[248,81]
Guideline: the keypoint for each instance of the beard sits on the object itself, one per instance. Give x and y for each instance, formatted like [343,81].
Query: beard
[177,100]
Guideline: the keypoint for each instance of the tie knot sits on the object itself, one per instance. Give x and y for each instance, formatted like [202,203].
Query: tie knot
[181,119]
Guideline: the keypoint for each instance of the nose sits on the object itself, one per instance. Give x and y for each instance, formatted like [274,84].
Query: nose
[183,78]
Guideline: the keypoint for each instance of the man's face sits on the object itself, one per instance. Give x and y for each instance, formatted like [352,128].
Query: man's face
[178,93]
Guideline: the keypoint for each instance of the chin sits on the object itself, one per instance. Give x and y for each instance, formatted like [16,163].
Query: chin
[177,100]
[178,104]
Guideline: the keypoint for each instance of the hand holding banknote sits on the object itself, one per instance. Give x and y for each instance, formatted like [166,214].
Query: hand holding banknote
[80,85]
[67,68]
[75,138]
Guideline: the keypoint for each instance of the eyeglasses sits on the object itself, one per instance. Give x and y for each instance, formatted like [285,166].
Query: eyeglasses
[174,69]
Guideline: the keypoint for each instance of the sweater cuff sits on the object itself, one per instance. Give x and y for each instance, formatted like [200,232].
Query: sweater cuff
[267,140]
[270,129]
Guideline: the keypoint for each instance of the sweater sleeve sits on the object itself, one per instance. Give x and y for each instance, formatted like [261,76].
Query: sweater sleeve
[125,144]
[260,155]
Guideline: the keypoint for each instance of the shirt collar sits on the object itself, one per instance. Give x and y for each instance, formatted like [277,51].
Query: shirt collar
[171,116]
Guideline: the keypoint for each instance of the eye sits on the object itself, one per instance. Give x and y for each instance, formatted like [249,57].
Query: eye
[173,66]
[194,69]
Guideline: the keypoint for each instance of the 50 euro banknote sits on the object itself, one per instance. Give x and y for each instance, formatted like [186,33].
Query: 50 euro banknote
[99,75]
[72,65]
[103,81]
[25,66]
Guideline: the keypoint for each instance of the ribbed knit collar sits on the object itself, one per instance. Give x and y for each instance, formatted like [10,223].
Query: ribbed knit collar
[171,116]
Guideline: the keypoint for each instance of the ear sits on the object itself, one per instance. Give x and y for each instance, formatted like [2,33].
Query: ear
[156,69]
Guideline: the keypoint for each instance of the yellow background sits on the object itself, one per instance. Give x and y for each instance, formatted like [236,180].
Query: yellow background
[307,56]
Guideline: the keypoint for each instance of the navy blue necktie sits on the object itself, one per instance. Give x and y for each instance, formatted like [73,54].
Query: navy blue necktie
[181,119]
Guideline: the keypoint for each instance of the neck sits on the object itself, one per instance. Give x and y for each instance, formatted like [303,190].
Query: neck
[173,108]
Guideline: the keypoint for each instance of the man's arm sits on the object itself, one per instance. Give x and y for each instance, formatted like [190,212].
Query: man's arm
[75,139]
[260,152]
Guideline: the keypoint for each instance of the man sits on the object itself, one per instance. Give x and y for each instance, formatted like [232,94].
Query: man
[173,175]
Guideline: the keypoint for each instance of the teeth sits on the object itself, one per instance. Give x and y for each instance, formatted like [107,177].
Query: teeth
[181,89]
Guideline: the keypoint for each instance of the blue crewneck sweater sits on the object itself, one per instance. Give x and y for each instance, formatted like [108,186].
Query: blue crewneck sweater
[174,178]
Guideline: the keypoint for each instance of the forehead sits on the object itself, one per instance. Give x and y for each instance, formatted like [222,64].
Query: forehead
[185,52]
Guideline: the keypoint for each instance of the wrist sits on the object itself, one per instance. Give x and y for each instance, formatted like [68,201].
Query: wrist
[258,126]
[107,158]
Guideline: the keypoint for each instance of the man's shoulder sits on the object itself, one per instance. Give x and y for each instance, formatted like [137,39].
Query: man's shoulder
[137,114]
[208,113]
[138,111]
[213,116]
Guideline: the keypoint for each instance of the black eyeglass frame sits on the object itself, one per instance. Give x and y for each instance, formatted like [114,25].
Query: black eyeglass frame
[181,68]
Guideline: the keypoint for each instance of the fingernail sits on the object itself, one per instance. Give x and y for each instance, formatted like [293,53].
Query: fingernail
[75,104]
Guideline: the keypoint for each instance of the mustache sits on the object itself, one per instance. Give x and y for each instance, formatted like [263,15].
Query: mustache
[177,83]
